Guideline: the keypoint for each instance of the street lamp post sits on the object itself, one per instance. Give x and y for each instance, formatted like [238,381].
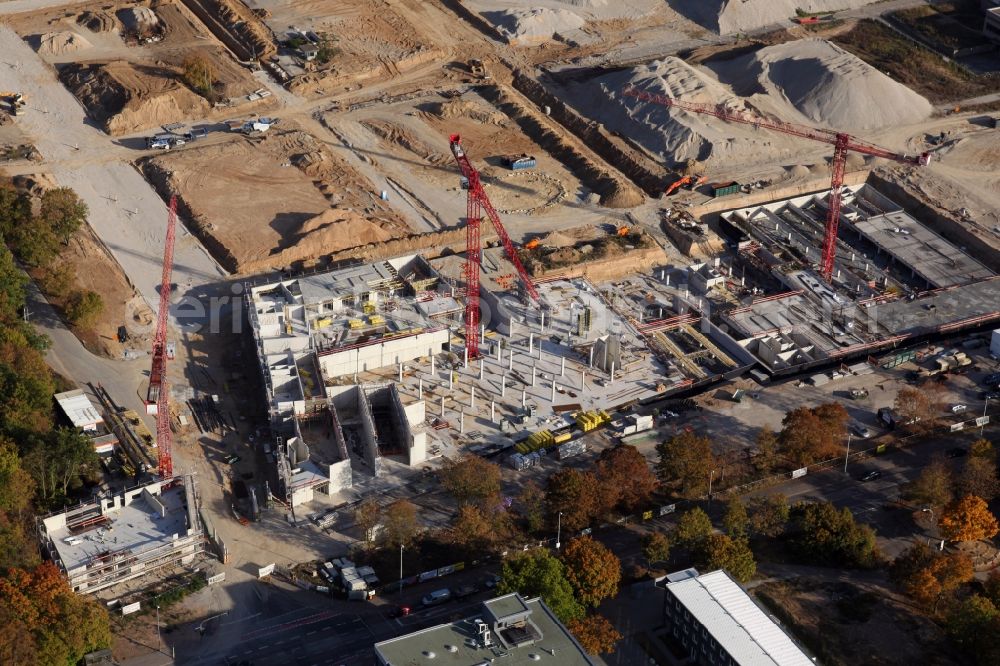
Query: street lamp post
[159,641]
[711,477]
[400,569]
[985,406]
[558,530]
[848,454]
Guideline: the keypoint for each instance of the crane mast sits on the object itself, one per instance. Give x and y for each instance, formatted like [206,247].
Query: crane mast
[158,390]
[476,203]
[842,143]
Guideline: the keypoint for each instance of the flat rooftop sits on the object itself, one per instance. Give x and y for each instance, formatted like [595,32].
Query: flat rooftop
[458,644]
[738,624]
[921,250]
[942,308]
[136,526]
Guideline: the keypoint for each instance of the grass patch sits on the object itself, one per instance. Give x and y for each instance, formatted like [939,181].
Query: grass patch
[913,65]
[939,28]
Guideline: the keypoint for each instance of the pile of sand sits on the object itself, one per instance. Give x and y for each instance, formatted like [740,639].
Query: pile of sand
[331,231]
[534,26]
[97,21]
[825,84]
[58,43]
[671,135]
[139,19]
[455,108]
[733,16]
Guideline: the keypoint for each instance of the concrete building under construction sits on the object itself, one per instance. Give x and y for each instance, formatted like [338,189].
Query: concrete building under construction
[132,534]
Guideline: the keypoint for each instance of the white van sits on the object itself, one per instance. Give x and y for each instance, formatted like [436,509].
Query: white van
[436,597]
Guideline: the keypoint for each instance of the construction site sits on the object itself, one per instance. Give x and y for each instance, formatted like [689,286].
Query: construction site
[472,227]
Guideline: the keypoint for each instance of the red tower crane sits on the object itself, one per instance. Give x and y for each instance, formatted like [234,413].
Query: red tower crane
[477,202]
[158,391]
[842,144]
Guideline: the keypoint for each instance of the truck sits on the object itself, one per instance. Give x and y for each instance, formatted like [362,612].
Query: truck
[888,417]
[519,162]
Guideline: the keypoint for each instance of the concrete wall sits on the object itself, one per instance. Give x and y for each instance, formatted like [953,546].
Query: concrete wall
[384,354]
[368,432]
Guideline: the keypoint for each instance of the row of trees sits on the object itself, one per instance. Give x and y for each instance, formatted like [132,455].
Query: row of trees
[42,621]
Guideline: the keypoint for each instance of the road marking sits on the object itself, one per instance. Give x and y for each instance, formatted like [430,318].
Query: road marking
[310,633]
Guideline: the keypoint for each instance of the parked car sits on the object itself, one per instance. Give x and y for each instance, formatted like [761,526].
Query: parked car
[861,431]
[399,611]
[196,133]
[957,452]
[437,597]
[872,475]
[492,582]
[464,591]
[958,409]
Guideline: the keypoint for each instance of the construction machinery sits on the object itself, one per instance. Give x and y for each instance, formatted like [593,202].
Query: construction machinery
[532,244]
[842,143]
[623,231]
[687,182]
[477,202]
[14,101]
[156,397]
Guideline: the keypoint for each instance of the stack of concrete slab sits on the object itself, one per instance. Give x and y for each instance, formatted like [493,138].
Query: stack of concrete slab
[570,449]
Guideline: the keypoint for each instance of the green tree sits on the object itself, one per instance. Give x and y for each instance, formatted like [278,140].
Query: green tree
[531,506]
[685,462]
[825,535]
[399,524]
[471,480]
[734,555]
[592,570]
[12,284]
[84,307]
[58,280]
[200,76]
[595,634]
[692,529]
[26,385]
[538,574]
[735,521]
[367,516]
[625,477]
[63,212]
[576,495]
[933,486]
[973,624]
[767,451]
[967,519]
[58,462]
[769,515]
[655,547]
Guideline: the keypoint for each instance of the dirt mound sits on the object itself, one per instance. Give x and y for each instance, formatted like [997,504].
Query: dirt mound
[620,195]
[330,231]
[533,26]
[669,134]
[458,107]
[138,19]
[825,84]
[392,133]
[732,16]
[97,21]
[58,43]
[127,98]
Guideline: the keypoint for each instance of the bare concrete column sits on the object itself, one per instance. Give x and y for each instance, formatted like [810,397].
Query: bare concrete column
[432,364]
[472,397]
[400,373]
[591,355]
[465,357]
[553,393]
[499,351]
[534,369]
[503,385]
[493,411]
[482,365]
[420,388]
[562,367]
[612,372]
[442,406]
[510,364]
[531,343]
[543,321]
[524,398]
[583,380]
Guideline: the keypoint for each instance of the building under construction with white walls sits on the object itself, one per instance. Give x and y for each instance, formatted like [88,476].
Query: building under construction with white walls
[114,539]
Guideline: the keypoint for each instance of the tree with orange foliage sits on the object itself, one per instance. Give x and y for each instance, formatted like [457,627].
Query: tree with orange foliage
[595,634]
[592,570]
[968,519]
[626,478]
[929,576]
[816,433]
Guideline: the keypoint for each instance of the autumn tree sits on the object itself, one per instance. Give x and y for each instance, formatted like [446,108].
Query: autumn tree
[824,535]
[576,495]
[530,506]
[967,519]
[933,486]
[592,570]
[767,451]
[399,524]
[595,634]
[477,530]
[735,520]
[685,462]
[367,516]
[625,477]
[816,433]
[84,307]
[983,448]
[471,479]
[62,211]
[200,75]
[979,478]
[692,529]
[927,576]
[918,408]
[769,515]
[655,547]
[720,551]
[537,573]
